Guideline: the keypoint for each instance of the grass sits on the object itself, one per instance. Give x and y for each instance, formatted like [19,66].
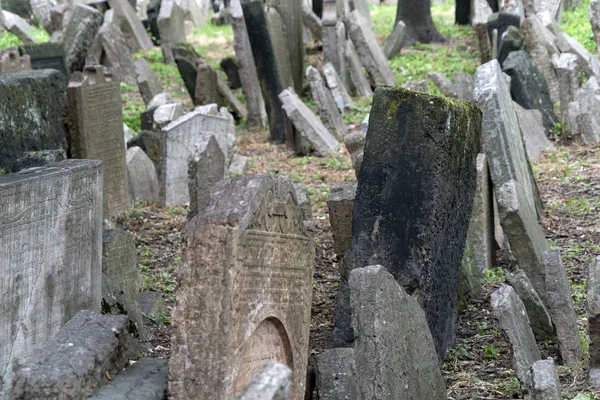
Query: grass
[576,23]
[9,40]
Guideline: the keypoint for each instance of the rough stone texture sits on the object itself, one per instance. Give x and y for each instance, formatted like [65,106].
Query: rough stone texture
[593,311]
[479,247]
[75,362]
[276,27]
[308,125]
[262,290]
[79,35]
[257,115]
[303,201]
[463,86]
[356,73]
[328,111]
[338,90]
[443,83]
[41,10]
[514,184]
[115,53]
[135,33]
[542,59]
[411,231]
[147,82]
[355,144]
[238,165]
[570,78]
[46,56]
[206,167]
[95,120]
[11,61]
[416,86]
[18,27]
[176,144]
[120,265]
[230,66]
[510,312]
[545,383]
[537,34]
[330,20]
[512,40]
[589,62]
[313,23]
[594,16]
[67,236]
[186,58]
[60,15]
[273,382]
[42,94]
[32,159]
[533,133]
[394,350]
[210,88]
[267,70]
[368,50]
[396,41]
[560,306]
[481,11]
[583,115]
[340,204]
[336,375]
[166,114]
[539,318]
[171,27]
[151,304]
[528,87]
[144,380]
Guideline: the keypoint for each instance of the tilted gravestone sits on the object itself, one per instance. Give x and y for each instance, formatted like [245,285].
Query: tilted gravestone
[46,56]
[545,384]
[11,61]
[206,167]
[534,134]
[336,374]
[143,181]
[356,72]
[80,34]
[330,115]
[137,37]
[115,54]
[42,94]
[262,289]
[276,26]
[147,81]
[95,119]
[18,27]
[411,231]
[172,28]
[51,254]
[186,58]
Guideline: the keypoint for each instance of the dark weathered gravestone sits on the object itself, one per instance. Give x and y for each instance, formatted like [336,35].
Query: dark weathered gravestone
[593,314]
[42,94]
[147,81]
[136,35]
[46,56]
[20,7]
[171,25]
[266,66]
[512,40]
[95,119]
[500,21]
[80,34]
[115,54]
[528,86]
[231,68]
[262,289]
[32,159]
[186,58]
[50,263]
[409,181]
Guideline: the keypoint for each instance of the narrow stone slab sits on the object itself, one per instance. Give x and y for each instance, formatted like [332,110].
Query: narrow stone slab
[394,350]
[172,28]
[303,201]
[510,312]
[75,362]
[313,23]
[147,81]
[238,165]
[533,132]
[463,86]
[583,114]
[143,181]
[340,204]
[79,35]
[273,382]
[368,50]
[590,63]
[328,111]
[355,144]
[545,381]
[443,83]
[336,375]
[46,56]
[542,59]
[400,152]
[308,125]
[396,41]
[144,380]
[593,311]
[68,191]
[18,27]
[115,53]
[356,71]
[262,289]
[537,34]
[206,167]
[338,90]
[570,78]
[137,36]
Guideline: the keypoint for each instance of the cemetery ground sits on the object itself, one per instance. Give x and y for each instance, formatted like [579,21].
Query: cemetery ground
[480,366]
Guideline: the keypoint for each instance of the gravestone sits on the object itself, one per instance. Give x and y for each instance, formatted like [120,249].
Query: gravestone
[18,27]
[20,7]
[338,90]
[336,375]
[411,231]
[210,88]
[528,86]
[340,204]
[394,351]
[328,111]
[355,144]
[42,94]
[510,312]
[77,361]
[46,56]
[512,40]
[143,181]
[95,120]
[533,132]
[270,273]
[52,213]
[329,36]
[303,198]
[586,112]
[230,66]
[120,266]
[463,86]
[396,41]
[312,22]
[268,73]
[147,81]
[171,27]
[593,314]
[186,58]
[281,51]
[308,125]
[257,115]
[356,72]
[514,184]
[206,167]
[370,53]
[80,34]
[570,78]
[272,382]
[115,53]
[500,21]
[542,59]
[589,62]
[133,30]
[443,83]
[238,165]
[479,18]
[41,10]
[545,384]
[60,15]
[11,61]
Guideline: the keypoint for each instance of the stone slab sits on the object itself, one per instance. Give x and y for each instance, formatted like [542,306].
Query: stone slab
[336,375]
[328,111]
[340,204]
[338,90]
[137,36]
[396,41]
[18,27]
[116,54]
[46,56]
[143,181]
[533,132]
[593,313]
[545,381]
[79,35]
[146,379]
[172,28]
[147,81]
[11,61]
[270,383]
[206,167]
[356,72]
[50,226]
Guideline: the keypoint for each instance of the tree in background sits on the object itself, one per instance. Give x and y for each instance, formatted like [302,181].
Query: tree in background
[416,14]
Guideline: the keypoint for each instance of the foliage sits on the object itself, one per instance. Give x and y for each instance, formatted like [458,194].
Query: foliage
[576,23]
[160,319]
[9,40]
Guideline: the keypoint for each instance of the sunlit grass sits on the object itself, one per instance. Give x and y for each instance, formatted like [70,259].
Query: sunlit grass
[576,23]
[9,40]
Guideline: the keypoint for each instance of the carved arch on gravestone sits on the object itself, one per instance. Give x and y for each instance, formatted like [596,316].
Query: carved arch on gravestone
[271,341]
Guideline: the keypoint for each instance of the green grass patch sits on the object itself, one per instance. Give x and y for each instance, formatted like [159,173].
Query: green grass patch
[9,40]
[576,23]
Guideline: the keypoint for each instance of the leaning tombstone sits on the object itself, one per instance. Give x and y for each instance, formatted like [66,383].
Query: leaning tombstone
[545,384]
[270,273]
[115,53]
[67,236]
[147,81]
[589,62]
[206,167]
[533,132]
[593,313]
[172,28]
[443,83]
[398,152]
[396,41]
[329,35]
[18,27]
[186,58]
[80,34]
[328,111]
[570,78]
[338,90]
[95,119]
[11,61]
[356,72]
[394,351]
[542,59]
[135,33]
[281,50]
[143,181]
[46,56]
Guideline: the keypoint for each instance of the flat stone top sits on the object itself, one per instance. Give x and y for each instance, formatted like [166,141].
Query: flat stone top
[16,79]
[48,171]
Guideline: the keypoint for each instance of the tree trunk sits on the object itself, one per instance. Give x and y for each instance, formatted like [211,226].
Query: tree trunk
[416,14]
[462,12]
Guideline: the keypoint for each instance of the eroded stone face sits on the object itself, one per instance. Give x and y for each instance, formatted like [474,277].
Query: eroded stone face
[245,291]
